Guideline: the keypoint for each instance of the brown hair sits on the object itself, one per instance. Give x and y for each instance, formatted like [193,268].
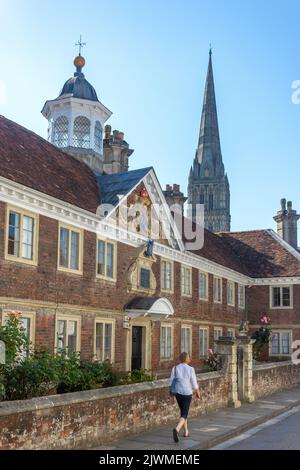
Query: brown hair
[184,356]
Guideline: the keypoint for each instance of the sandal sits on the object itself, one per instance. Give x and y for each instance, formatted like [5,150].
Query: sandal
[175,435]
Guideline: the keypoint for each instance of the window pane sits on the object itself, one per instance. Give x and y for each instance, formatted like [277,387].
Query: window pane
[60,132]
[27,237]
[285,343]
[99,341]
[202,286]
[101,256]
[110,260]
[169,342]
[275,343]
[74,250]
[276,296]
[25,325]
[108,341]
[81,133]
[61,334]
[72,336]
[14,234]
[64,248]
[286,297]
[98,137]
[145,278]
[163,342]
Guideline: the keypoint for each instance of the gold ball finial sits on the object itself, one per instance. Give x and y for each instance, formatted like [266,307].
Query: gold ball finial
[79,61]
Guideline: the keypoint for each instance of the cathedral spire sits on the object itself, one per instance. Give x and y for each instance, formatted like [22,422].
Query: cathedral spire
[209,148]
[208,184]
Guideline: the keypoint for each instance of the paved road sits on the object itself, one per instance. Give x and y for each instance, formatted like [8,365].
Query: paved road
[280,433]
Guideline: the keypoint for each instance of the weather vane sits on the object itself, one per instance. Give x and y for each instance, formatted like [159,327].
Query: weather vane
[80,44]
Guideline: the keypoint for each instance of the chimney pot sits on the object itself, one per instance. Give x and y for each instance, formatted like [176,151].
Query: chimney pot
[283,204]
[289,205]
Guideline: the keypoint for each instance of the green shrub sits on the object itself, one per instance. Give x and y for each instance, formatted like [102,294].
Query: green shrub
[141,375]
[35,376]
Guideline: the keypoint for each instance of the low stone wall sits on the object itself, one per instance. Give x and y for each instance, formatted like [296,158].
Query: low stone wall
[271,378]
[96,417]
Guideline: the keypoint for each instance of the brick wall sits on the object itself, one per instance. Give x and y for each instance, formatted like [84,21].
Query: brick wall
[269,378]
[91,418]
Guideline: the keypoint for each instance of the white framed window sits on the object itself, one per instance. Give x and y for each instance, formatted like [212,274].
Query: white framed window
[21,236]
[98,138]
[61,132]
[70,242]
[203,341]
[203,286]
[218,331]
[166,275]
[104,344]
[82,132]
[231,332]
[67,334]
[186,281]
[26,322]
[280,344]
[281,297]
[106,259]
[166,342]
[241,296]
[230,293]
[186,339]
[217,290]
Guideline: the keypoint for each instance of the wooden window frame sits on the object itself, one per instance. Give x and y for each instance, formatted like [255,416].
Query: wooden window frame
[187,327]
[188,268]
[171,326]
[231,283]
[25,314]
[280,331]
[80,232]
[207,287]
[104,276]
[215,278]
[282,307]
[203,328]
[35,235]
[105,321]
[241,306]
[171,290]
[68,318]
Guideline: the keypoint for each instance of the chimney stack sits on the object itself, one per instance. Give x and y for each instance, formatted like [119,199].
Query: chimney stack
[174,197]
[116,151]
[286,220]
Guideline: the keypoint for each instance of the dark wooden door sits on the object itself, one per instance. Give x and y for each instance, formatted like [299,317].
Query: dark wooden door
[137,341]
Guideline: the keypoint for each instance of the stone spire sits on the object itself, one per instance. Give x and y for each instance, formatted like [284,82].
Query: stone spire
[209,149]
[208,183]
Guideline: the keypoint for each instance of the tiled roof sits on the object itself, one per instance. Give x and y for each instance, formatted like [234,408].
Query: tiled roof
[262,254]
[30,160]
[219,251]
[112,186]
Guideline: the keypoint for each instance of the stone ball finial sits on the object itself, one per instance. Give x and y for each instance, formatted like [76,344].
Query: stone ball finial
[79,62]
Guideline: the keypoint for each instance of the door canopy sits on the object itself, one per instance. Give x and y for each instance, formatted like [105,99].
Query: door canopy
[154,307]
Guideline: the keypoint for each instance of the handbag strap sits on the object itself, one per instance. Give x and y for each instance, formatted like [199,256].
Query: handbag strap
[175,372]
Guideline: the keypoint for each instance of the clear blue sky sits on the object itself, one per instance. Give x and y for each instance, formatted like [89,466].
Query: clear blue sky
[147,60]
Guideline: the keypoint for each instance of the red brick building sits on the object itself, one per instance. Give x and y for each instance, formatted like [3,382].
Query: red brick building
[77,258]
[82,285]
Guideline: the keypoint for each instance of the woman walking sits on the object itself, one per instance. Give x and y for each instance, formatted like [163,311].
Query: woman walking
[183,379]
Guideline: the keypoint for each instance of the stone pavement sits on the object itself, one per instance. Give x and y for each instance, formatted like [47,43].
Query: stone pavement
[213,428]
